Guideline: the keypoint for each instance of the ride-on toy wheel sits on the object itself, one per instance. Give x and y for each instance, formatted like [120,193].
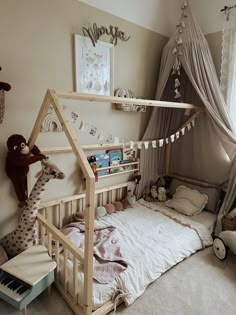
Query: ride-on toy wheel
[219,248]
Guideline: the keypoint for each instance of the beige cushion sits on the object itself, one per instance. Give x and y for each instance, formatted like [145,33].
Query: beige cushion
[215,196]
[187,201]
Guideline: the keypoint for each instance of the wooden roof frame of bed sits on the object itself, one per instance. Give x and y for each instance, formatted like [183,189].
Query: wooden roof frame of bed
[52,99]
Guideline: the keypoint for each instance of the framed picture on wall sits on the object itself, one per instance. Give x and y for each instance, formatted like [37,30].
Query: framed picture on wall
[93,66]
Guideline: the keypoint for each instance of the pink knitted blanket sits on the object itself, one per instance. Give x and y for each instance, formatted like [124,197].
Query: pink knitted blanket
[108,261]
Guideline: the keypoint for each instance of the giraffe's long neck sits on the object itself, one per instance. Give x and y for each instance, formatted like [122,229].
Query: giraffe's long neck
[25,234]
[31,210]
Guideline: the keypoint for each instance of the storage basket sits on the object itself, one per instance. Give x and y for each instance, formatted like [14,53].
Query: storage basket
[228,223]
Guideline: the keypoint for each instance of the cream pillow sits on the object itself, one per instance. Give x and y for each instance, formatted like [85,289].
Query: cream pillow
[187,201]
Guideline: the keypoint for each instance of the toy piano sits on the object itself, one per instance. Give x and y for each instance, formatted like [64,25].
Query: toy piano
[25,276]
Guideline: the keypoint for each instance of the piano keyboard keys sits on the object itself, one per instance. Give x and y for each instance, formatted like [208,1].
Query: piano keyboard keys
[13,288]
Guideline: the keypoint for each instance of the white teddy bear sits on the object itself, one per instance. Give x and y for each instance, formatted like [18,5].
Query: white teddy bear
[161,194]
[154,192]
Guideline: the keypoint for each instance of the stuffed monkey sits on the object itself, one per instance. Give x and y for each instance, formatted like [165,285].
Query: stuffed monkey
[17,164]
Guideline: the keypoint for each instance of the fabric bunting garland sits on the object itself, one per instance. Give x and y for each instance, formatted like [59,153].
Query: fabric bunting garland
[94,131]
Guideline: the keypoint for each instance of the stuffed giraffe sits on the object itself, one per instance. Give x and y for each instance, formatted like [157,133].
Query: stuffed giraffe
[24,235]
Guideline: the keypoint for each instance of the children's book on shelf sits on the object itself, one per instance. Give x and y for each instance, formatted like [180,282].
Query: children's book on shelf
[115,157]
[102,160]
[129,154]
[126,167]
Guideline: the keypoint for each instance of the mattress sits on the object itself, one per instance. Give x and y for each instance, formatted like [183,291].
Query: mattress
[153,239]
[208,219]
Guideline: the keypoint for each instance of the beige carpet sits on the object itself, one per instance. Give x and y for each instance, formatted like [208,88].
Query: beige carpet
[200,285]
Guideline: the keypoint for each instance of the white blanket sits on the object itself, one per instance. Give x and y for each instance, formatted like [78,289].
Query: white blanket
[152,243]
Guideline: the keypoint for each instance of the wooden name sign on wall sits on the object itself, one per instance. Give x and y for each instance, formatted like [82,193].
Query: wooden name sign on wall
[96,32]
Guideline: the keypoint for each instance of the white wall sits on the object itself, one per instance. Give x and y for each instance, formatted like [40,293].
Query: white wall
[157,15]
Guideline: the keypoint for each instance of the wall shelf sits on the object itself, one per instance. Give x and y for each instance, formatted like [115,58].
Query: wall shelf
[135,164]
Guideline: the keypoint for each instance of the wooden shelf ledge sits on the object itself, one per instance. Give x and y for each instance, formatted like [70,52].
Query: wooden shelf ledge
[122,100]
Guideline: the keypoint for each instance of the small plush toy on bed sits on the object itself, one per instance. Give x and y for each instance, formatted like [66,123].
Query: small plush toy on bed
[92,161]
[161,194]
[154,192]
[17,164]
[164,181]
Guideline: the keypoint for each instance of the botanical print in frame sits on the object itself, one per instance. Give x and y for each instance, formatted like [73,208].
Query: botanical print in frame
[93,66]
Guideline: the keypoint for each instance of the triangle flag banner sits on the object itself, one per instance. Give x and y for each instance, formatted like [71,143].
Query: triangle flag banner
[177,94]
[101,135]
[140,145]
[161,142]
[109,138]
[177,82]
[174,51]
[172,138]
[125,143]
[179,41]
[82,125]
[116,140]
[93,130]
[74,117]
[131,144]
[154,144]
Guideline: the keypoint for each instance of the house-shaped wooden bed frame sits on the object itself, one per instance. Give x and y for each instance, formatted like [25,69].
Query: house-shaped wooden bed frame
[48,231]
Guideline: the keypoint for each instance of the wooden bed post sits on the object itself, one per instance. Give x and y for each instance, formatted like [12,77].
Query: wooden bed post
[90,201]
[35,131]
[39,121]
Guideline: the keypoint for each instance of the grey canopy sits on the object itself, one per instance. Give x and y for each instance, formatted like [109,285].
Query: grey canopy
[207,151]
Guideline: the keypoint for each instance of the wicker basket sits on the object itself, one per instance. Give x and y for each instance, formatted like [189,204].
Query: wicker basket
[228,223]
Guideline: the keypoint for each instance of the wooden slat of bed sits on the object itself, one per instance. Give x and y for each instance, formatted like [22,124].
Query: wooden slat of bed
[57,235]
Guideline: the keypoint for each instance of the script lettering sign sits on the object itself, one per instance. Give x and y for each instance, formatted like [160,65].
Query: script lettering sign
[96,32]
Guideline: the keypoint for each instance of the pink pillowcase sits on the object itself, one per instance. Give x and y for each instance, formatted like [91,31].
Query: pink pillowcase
[126,204]
[110,208]
[118,205]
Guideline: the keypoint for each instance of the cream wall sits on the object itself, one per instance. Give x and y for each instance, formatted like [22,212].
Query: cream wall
[215,44]
[157,15]
[208,14]
[37,53]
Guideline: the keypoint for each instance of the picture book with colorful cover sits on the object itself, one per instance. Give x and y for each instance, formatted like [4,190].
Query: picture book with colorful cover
[102,160]
[115,156]
[129,154]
